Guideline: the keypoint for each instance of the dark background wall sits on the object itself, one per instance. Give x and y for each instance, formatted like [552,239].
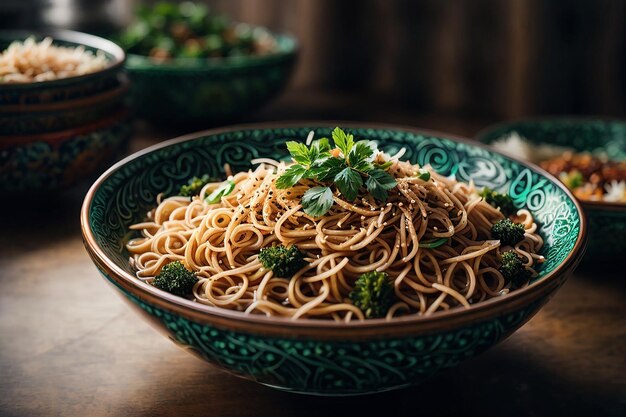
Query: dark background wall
[492,58]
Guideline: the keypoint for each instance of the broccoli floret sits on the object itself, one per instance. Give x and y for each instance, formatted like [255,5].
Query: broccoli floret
[502,202]
[373,294]
[283,261]
[194,186]
[513,270]
[175,278]
[507,232]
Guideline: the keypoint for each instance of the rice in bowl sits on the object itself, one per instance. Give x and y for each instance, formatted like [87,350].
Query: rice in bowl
[30,61]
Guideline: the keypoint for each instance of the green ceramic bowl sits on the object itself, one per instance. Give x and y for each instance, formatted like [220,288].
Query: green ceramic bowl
[607,221]
[24,94]
[57,160]
[316,356]
[209,90]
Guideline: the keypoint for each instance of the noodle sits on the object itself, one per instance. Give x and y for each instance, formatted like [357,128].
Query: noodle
[221,242]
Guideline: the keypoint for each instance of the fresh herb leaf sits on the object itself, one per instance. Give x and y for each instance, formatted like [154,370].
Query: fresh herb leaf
[434,243]
[378,183]
[299,152]
[360,154]
[343,141]
[423,175]
[317,201]
[224,189]
[384,166]
[330,168]
[348,183]
[291,176]
[323,146]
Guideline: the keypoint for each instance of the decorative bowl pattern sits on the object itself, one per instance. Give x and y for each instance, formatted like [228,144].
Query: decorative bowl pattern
[66,88]
[52,117]
[208,91]
[607,221]
[58,160]
[315,356]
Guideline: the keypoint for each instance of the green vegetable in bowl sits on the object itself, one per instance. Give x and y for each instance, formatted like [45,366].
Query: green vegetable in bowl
[223,190]
[348,168]
[283,261]
[507,232]
[373,294]
[176,279]
[502,202]
[194,186]
[513,270]
[190,30]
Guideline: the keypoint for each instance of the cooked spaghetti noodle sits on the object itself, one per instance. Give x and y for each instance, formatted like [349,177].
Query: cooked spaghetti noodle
[221,243]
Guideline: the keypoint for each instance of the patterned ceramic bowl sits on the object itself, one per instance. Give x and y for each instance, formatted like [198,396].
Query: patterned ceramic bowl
[52,117]
[208,91]
[57,160]
[72,88]
[607,221]
[315,356]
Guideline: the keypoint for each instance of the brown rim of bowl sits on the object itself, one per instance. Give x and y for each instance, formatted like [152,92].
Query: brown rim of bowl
[108,95]
[596,205]
[278,326]
[52,137]
[79,38]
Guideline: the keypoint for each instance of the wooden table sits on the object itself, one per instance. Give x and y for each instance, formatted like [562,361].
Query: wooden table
[69,347]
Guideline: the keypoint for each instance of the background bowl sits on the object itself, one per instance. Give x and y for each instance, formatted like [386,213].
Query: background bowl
[54,133]
[25,94]
[315,356]
[52,161]
[52,117]
[206,91]
[607,221]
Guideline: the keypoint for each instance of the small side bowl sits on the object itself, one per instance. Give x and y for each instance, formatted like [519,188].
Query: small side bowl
[317,356]
[71,88]
[607,221]
[207,91]
[57,160]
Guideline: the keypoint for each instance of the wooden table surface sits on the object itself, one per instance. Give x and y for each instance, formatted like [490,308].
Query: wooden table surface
[70,347]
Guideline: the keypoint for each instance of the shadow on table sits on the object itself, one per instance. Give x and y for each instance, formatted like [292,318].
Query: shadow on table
[501,383]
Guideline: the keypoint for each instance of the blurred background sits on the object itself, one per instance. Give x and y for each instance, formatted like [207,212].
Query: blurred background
[482,59]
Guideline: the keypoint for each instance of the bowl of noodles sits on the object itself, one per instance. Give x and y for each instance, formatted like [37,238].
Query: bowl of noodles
[589,156]
[332,260]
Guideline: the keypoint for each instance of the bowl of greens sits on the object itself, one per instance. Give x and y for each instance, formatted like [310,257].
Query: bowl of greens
[190,65]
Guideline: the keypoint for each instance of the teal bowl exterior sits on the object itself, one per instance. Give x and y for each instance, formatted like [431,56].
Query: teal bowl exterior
[315,356]
[55,91]
[204,92]
[607,221]
[59,160]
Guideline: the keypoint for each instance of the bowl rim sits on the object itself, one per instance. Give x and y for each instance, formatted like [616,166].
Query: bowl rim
[71,36]
[68,105]
[278,326]
[141,63]
[481,137]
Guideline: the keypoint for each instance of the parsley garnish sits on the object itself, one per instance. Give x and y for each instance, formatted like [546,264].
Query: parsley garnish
[348,168]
